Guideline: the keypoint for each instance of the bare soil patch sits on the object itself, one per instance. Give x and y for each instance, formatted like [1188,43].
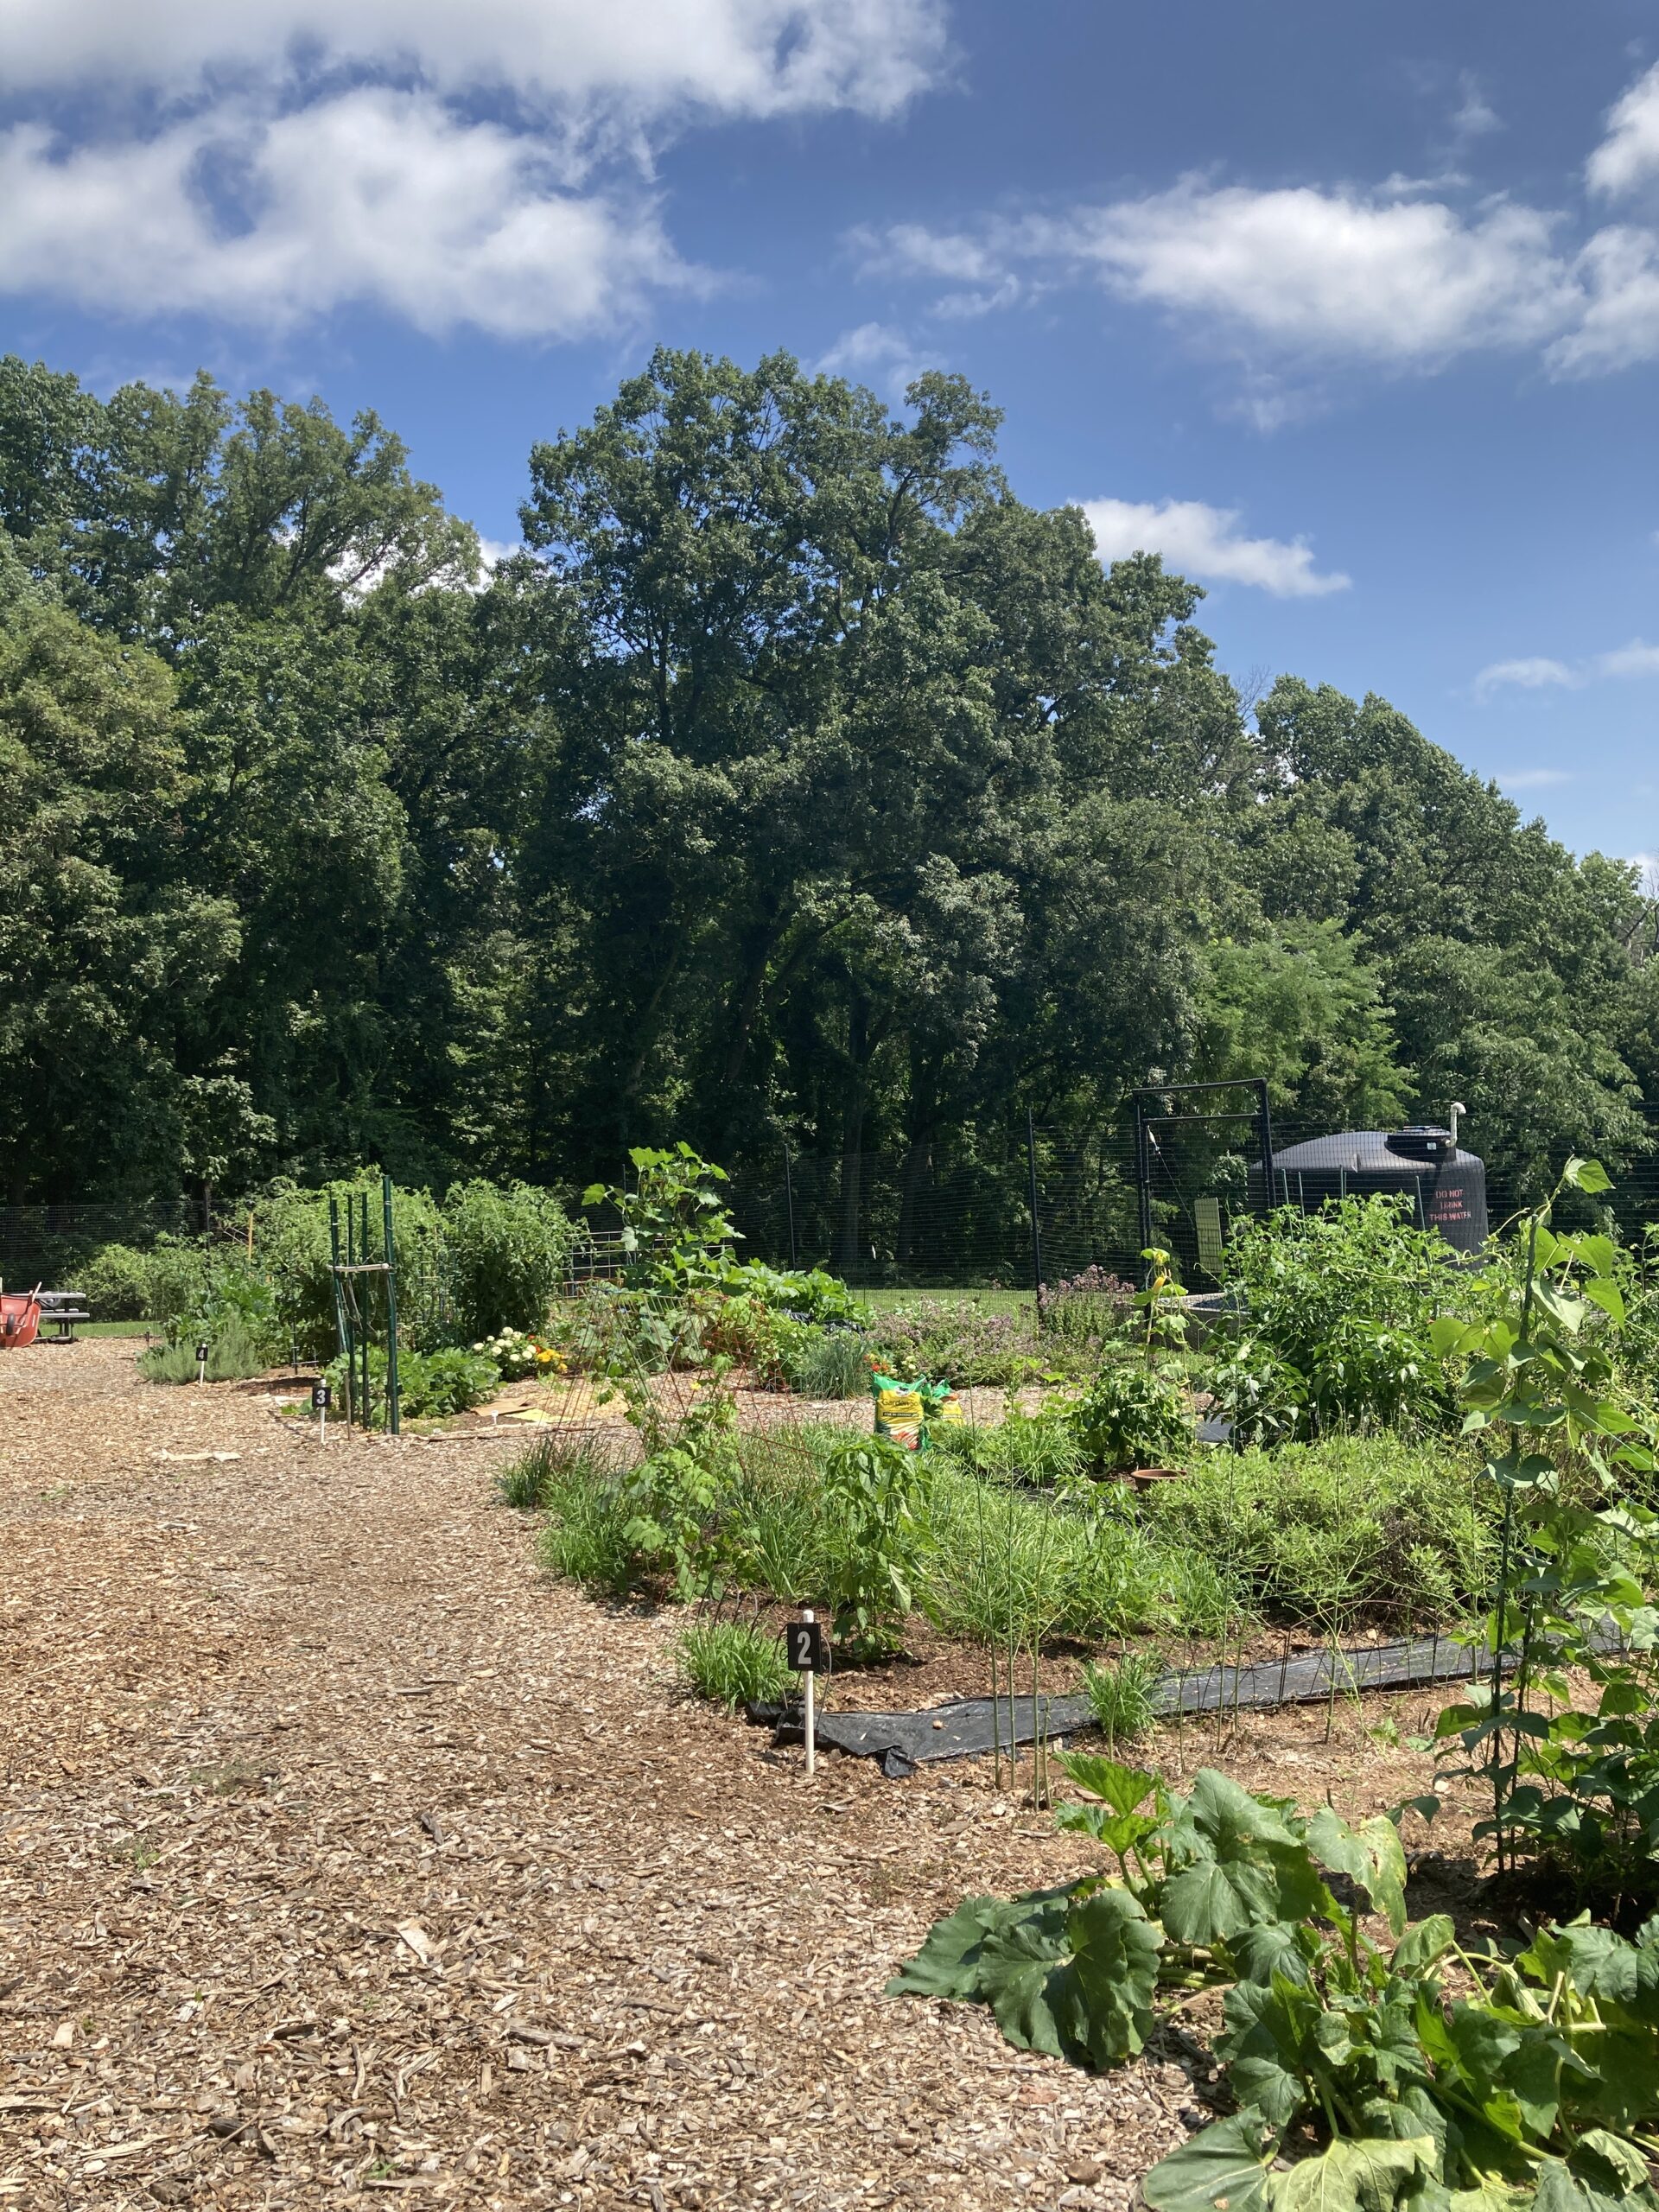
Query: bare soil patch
[343,1856]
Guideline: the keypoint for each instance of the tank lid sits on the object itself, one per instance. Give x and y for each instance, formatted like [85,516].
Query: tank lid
[1422,1141]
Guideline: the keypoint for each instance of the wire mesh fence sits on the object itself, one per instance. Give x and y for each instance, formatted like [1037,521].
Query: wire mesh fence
[930,1219]
[47,1243]
[939,1216]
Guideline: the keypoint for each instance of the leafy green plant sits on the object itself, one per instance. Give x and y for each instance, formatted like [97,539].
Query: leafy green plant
[1328,1326]
[874,1499]
[1134,1417]
[506,1253]
[675,1231]
[1576,1786]
[731,1662]
[678,1492]
[1363,2079]
[1264,1397]
[431,1386]
[233,1357]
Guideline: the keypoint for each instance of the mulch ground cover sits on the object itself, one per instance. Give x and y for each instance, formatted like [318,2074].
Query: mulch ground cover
[344,1857]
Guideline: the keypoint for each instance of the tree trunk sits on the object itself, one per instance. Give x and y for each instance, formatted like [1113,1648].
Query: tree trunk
[852,1132]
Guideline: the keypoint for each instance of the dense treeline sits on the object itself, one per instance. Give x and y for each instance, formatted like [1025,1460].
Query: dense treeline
[799,781]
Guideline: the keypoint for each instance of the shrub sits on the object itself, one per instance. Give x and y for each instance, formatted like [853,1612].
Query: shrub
[233,1357]
[291,1250]
[1343,1299]
[1089,1309]
[731,1662]
[178,1275]
[1135,1416]
[115,1279]
[507,1249]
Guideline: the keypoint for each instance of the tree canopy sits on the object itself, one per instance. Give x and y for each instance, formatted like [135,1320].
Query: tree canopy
[797,783]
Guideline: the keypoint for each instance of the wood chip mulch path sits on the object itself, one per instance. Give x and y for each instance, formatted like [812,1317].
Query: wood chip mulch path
[345,1859]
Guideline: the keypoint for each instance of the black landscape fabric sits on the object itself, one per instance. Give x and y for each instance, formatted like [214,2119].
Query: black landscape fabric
[967,1726]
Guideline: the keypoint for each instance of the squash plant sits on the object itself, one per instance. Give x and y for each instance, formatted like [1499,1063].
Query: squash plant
[1363,2078]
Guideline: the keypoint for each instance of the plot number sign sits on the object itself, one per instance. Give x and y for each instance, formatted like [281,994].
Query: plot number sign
[803,1649]
[201,1363]
[321,1398]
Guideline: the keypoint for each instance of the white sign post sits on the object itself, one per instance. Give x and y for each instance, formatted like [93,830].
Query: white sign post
[201,1363]
[803,1649]
[321,1397]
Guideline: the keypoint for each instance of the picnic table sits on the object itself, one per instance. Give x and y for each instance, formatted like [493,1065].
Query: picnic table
[63,1308]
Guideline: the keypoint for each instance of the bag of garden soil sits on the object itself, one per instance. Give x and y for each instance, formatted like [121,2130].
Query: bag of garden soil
[906,1411]
[899,1412]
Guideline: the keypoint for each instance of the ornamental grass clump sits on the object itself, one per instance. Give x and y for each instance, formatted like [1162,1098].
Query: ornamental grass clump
[731,1663]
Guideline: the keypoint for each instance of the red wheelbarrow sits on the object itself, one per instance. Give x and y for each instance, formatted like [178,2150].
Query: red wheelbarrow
[20,1317]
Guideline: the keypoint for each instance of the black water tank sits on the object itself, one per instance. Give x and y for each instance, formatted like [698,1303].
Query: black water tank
[1450,1186]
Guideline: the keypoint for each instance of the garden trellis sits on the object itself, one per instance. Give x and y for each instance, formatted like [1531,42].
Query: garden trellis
[1173,1211]
[357,1274]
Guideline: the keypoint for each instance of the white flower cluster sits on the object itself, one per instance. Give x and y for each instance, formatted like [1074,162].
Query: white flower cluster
[517,1355]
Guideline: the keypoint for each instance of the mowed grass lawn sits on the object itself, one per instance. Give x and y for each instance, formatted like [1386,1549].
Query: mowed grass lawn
[987,1301]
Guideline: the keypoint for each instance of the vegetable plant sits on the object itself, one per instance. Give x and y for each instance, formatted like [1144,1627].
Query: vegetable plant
[1574,1784]
[876,1495]
[1367,2074]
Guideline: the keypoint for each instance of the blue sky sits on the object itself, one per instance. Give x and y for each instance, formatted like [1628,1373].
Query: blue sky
[1353,313]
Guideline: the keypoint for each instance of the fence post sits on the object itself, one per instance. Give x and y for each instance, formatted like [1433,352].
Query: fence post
[394,1401]
[1036,1232]
[789,1204]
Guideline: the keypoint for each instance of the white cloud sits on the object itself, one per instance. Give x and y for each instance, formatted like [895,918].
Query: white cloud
[376,196]
[270,161]
[1536,673]
[493,551]
[1476,117]
[1629,156]
[1634,659]
[877,352]
[1326,273]
[750,57]
[1409,273]
[1619,326]
[1204,541]
[1530,779]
